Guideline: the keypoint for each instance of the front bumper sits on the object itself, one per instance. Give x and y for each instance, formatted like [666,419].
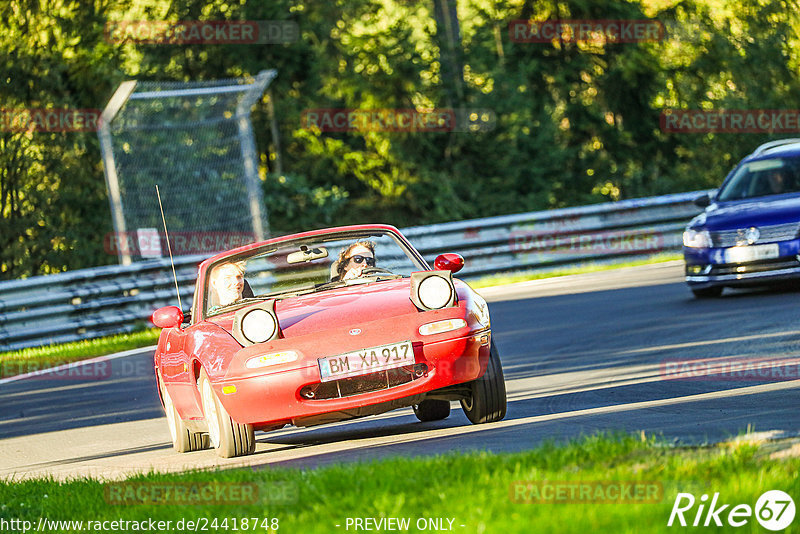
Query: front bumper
[274,397]
[708,268]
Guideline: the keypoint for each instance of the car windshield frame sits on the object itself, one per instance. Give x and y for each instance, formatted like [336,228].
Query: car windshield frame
[415,259]
[755,176]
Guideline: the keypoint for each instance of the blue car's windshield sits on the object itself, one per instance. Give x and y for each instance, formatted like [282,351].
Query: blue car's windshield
[761,178]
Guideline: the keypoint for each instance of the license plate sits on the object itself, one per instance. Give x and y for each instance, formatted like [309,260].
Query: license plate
[365,361]
[751,253]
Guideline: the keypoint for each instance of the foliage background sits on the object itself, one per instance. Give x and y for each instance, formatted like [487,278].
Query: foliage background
[576,123]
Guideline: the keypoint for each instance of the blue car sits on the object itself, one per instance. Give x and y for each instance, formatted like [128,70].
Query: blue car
[748,232]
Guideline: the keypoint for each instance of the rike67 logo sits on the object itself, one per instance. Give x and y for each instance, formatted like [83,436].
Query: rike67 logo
[774,510]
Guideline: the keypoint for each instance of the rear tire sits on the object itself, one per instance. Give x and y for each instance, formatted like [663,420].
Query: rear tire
[183,440]
[228,437]
[432,410]
[487,402]
[708,292]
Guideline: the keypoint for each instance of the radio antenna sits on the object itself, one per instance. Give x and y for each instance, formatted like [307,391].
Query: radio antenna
[169,248]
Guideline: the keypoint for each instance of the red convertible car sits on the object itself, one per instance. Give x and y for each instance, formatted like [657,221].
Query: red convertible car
[320,327]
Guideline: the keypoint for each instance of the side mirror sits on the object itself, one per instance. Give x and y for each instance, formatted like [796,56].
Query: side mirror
[703,201]
[167,317]
[449,262]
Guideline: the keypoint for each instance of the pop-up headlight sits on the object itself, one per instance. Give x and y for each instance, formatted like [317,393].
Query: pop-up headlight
[433,290]
[256,324]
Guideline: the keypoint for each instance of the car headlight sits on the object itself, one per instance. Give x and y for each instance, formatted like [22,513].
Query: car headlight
[256,324]
[696,239]
[271,359]
[433,290]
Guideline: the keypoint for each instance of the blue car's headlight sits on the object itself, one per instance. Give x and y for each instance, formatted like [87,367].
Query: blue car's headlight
[696,239]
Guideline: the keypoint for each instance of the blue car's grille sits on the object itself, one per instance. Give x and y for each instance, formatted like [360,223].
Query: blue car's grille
[768,234]
[755,267]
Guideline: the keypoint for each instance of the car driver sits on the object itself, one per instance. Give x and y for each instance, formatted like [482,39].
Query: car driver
[777,181]
[355,258]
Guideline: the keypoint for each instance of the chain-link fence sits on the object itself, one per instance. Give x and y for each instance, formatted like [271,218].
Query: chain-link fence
[195,141]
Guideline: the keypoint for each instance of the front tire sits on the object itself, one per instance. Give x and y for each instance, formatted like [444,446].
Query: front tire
[708,292]
[228,437]
[432,410]
[487,401]
[183,440]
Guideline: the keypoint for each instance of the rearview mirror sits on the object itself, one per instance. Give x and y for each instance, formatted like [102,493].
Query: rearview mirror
[307,254]
[167,317]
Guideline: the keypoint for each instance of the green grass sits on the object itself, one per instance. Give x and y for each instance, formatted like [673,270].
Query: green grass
[32,359]
[475,489]
[505,279]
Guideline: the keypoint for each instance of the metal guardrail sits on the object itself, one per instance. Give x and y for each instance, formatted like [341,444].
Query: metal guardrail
[90,303]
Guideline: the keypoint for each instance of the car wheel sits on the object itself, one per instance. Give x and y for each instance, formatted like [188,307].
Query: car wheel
[183,440]
[708,292]
[432,410]
[228,437]
[487,400]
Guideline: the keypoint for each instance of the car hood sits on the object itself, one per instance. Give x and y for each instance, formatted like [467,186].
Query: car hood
[338,308]
[743,214]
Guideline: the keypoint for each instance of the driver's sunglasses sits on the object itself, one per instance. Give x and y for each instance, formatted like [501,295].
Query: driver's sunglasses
[362,259]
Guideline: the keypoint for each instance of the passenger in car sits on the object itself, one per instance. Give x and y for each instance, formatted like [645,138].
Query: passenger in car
[226,284]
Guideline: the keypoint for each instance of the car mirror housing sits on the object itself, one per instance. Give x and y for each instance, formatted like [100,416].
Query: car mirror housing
[167,317]
[449,262]
[703,201]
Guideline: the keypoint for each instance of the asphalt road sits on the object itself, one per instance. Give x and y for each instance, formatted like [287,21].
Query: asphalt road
[581,354]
